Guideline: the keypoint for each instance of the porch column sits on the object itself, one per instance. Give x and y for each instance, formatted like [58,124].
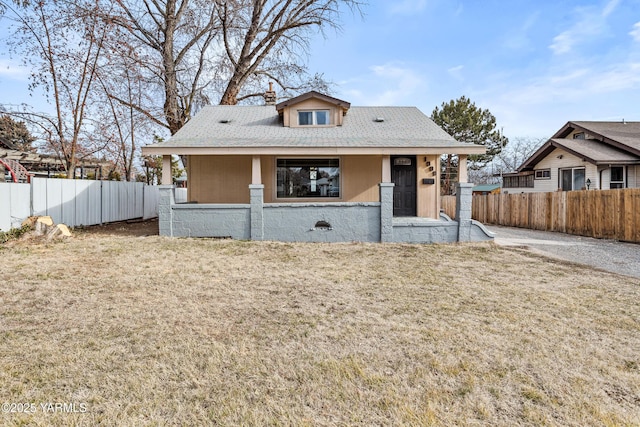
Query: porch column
[256,194]
[167,179]
[165,213]
[462,168]
[386,211]
[386,168]
[256,170]
[464,199]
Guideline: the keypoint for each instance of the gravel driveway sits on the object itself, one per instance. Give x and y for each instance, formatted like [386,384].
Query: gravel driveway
[610,255]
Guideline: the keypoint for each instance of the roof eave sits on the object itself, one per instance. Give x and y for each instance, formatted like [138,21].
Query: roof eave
[289,150]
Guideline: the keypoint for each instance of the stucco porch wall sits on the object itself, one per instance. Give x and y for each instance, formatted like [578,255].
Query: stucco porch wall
[422,230]
[296,222]
[211,220]
[314,222]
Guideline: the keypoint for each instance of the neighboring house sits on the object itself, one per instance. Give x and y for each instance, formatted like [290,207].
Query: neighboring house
[484,189]
[581,156]
[20,166]
[313,168]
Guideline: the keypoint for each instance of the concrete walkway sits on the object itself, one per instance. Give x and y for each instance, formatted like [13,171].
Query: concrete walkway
[610,255]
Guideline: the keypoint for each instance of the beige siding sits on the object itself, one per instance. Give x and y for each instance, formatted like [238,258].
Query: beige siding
[226,179]
[633,177]
[428,195]
[290,114]
[360,178]
[219,179]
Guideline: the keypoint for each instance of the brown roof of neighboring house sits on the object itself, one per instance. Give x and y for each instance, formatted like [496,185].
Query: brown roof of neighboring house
[622,134]
[607,143]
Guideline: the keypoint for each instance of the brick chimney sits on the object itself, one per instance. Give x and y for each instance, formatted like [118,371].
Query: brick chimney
[270,95]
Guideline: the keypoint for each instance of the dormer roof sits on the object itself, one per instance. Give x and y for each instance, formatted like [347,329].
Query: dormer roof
[313,95]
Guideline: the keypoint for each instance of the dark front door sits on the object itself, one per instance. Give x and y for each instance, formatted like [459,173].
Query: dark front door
[403,175]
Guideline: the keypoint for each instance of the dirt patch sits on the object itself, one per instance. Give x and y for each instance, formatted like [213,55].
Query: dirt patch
[124,228]
[166,331]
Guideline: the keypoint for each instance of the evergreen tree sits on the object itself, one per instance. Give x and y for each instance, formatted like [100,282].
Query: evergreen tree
[467,123]
[16,133]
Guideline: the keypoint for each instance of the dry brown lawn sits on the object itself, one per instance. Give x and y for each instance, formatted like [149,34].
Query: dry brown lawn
[135,330]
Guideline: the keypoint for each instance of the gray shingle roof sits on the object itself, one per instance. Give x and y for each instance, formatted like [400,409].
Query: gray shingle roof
[625,133]
[260,126]
[595,151]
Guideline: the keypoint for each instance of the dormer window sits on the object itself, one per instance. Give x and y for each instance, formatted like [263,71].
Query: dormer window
[313,118]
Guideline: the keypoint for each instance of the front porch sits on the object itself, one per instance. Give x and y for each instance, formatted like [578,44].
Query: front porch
[317,221]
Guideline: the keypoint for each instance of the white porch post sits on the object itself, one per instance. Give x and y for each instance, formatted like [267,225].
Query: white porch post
[256,197]
[256,170]
[167,179]
[462,168]
[386,168]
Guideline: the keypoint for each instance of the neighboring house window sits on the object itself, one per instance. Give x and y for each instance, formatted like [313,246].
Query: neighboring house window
[313,118]
[617,177]
[543,174]
[520,181]
[579,135]
[572,179]
[308,178]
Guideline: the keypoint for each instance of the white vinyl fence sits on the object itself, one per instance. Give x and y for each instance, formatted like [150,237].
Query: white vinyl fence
[76,202]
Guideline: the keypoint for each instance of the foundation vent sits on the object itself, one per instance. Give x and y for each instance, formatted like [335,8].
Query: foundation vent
[322,225]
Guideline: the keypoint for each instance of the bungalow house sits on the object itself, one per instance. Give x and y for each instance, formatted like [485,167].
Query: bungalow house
[582,156]
[313,168]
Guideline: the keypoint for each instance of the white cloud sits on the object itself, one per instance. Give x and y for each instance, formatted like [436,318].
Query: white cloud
[635,33]
[590,24]
[456,72]
[386,84]
[610,7]
[400,83]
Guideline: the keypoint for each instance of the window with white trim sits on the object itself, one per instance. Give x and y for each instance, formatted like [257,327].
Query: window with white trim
[313,118]
[543,174]
[572,179]
[617,177]
[307,178]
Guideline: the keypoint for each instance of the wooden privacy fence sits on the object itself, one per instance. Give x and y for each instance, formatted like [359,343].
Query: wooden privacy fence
[76,202]
[607,214]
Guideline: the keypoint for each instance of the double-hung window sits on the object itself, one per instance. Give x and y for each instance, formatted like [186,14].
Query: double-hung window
[617,177]
[313,118]
[308,178]
[572,179]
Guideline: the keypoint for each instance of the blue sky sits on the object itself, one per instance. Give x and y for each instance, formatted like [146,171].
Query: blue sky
[534,64]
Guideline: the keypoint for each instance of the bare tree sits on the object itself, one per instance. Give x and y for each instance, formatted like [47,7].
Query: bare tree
[508,160]
[62,45]
[195,50]
[264,39]
[171,44]
[121,126]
